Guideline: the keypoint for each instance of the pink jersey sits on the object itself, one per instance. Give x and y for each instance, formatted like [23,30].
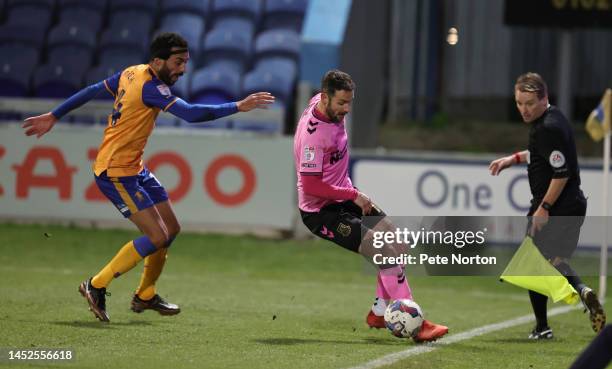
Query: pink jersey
[320,148]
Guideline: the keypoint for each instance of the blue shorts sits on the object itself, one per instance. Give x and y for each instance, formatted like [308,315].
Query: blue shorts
[132,193]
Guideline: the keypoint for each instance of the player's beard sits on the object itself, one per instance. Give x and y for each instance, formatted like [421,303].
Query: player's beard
[333,117]
[166,76]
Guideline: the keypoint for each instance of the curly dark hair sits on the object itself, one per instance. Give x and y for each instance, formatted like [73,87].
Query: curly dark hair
[162,44]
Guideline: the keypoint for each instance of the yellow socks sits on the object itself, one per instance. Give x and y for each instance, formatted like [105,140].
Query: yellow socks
[153,266]
[125,260]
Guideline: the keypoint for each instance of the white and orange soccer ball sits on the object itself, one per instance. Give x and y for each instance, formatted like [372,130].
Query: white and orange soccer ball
[404,318]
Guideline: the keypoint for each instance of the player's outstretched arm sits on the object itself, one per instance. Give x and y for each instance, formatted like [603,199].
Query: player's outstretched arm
[41,124]
[193,113]
[500,164]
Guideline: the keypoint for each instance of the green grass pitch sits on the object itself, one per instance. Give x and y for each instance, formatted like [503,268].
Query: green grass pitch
[250,303]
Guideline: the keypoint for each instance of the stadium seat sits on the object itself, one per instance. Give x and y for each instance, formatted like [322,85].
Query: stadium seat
[284,14]
[17,62]
[250,9]
[226,46]
[23,35]
[278,84]
[285,66]
[120,58]
[241,25]
[132,19]
[25,14]
[88,17]
[194,7]
[214,85]
[72,34]
[125,38]
[97,5]
[57,54]
[58,80]
[284,43]
[191,27]
[146,6]
[49,4]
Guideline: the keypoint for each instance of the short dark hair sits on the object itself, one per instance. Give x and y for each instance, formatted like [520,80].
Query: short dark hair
[532,82]
[162,44]
[335,80]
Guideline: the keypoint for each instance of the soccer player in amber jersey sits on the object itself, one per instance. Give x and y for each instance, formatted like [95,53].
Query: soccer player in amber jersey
[329,204]
[140,92]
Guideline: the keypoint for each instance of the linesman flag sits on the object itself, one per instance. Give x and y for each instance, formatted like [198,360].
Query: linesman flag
[599,121]
[530,270]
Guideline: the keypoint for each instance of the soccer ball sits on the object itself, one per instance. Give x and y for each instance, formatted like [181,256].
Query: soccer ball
[404,318]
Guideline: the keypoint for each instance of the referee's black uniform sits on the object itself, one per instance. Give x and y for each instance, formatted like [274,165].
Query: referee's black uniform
[552,154]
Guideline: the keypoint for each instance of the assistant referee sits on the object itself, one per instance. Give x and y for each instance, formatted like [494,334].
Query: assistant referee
[558,205]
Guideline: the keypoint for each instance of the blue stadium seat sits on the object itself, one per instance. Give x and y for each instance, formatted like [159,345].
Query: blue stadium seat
[59,53]
[282,42]
[97,5]
[127,38]
[49,4]
[277,64]
[284,14]
[215,85]
[191,27]
[241,25]
[88,17]
[131,19]
[278,84]
[226,46]
[58,80]
[17,62]
[23,35]
[195,7]
[29,15]
[242,8]
[146,6]
[70,34]
[120,58]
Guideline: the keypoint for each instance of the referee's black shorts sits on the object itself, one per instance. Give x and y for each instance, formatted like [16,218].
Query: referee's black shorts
[559,237]
[341,223]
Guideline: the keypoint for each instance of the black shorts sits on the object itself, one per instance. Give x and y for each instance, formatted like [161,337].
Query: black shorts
[341,223]
[559,237]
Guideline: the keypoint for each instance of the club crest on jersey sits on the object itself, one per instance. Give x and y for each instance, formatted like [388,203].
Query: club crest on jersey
[344,229]
[556,159]
[164,90]
[309,153]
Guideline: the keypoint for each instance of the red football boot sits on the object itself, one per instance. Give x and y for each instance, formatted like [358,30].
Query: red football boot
[375,321]
[430,332]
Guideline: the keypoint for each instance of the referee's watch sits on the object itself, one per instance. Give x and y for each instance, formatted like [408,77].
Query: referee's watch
[546,206]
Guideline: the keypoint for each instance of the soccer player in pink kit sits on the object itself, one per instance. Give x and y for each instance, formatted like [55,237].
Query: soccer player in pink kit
[329,204]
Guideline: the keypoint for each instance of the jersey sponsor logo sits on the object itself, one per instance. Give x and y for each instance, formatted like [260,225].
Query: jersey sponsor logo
[309,165]
[309,153]
[344,229]
[164,90]
[337,155]
[556,159]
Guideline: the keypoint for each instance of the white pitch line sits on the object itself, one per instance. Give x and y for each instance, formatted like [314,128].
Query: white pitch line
[479,331]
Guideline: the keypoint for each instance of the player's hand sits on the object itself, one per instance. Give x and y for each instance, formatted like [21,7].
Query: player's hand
[500,164]
[258,100]
[539,220]
[364,203]
[39,125]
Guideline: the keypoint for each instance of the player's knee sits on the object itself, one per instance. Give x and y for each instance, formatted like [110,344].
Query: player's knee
[172,233]
[159,239]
